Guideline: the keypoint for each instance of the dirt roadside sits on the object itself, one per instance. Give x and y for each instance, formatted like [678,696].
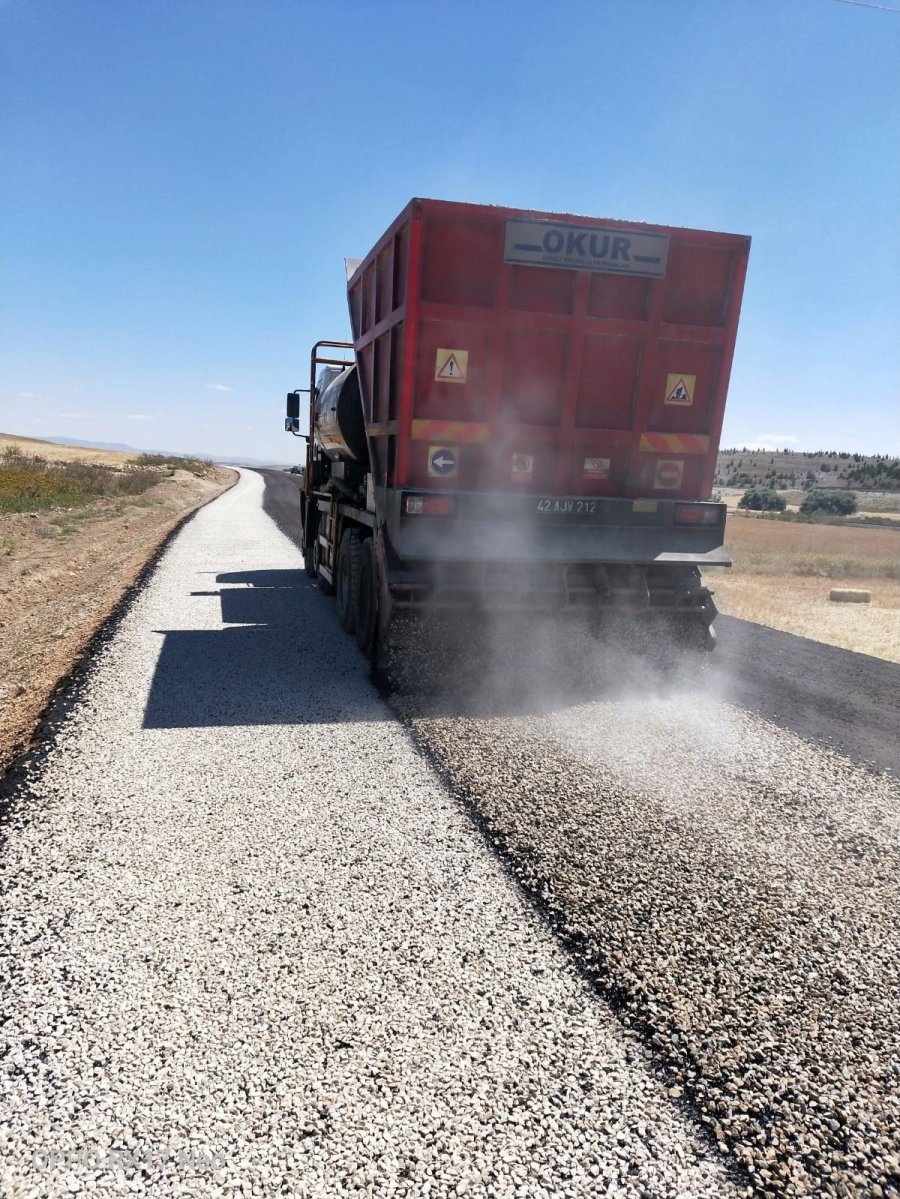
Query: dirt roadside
[62,572]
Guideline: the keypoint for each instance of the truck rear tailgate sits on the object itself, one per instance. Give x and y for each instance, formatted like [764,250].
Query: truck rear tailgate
[518,352]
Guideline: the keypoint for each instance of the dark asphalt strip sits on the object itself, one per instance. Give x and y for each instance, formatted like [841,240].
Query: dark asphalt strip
[281,501]
[846,701]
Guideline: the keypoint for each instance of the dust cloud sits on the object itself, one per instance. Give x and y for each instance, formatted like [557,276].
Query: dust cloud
[510,664]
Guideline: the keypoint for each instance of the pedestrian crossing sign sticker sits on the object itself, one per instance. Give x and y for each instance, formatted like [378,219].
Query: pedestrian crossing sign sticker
[451,366]
[680,389]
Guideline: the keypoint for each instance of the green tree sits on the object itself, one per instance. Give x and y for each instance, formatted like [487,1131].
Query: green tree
[762,499]
[835,503]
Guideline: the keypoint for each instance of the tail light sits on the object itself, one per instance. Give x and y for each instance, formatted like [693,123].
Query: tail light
[429,505]
[699,514]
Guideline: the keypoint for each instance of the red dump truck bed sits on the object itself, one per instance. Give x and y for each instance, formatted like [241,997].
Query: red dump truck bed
[503,350]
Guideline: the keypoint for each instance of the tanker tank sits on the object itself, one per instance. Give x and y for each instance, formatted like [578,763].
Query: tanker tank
[339,425]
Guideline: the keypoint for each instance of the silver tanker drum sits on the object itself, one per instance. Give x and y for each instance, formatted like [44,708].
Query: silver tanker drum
[340,428]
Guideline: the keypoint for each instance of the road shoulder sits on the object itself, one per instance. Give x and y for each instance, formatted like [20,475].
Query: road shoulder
[62,574]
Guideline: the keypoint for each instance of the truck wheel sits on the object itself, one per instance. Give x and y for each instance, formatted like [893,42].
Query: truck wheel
[309,564]
[346,579]
[366,598]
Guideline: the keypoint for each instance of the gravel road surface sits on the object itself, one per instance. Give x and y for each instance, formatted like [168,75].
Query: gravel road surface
[252,946]
[731,887]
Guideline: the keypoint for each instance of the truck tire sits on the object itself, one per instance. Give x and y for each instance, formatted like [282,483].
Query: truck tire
[346,579]
[366,598]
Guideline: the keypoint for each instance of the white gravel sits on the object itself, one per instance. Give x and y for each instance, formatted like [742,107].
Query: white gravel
[251,947]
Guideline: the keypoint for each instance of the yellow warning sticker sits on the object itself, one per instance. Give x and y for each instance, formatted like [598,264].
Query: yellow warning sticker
[680,389]
[451,366]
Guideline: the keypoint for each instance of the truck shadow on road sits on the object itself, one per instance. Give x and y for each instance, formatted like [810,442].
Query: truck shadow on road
[268,650]
[269,653]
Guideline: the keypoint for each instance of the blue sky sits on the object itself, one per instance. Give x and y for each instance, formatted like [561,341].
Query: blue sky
[181,182]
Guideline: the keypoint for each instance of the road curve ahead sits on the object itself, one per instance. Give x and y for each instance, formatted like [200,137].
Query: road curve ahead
[252,946]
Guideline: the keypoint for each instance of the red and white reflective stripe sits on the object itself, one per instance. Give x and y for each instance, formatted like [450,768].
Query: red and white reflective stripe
[457,432]
[674,443]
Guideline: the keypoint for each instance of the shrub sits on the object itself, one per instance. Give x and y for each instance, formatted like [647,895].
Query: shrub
[31,484]
[835,503]
[201,467]
[761,499]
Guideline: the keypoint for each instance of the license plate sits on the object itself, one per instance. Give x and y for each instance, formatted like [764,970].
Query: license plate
[567,507]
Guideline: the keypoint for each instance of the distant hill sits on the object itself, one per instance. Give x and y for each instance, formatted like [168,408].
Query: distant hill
[791,470]
[118,446]
[252,462]
[121,448]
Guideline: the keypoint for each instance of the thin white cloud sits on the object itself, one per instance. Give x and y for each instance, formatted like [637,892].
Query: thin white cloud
[26,395]
[218,387]
[138,416]
[76,416]
[773,441]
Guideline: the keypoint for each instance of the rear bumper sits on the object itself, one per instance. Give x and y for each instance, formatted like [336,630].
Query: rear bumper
[491,530]
[501,528]
[502,552]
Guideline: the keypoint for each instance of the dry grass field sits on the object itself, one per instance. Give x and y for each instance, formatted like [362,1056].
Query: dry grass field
[783,572]
[63,453]
[42,480]
[76,528]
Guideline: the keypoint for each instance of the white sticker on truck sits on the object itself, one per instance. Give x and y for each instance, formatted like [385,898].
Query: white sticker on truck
[596,468]
[668,474]
[586,248]
[522,468]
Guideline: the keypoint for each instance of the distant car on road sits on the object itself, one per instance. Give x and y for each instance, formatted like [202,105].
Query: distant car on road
[297,470]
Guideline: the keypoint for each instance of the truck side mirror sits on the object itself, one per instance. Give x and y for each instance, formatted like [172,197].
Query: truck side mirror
[293,405]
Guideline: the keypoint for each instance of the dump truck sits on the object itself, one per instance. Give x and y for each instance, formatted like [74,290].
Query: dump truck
[526,419]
